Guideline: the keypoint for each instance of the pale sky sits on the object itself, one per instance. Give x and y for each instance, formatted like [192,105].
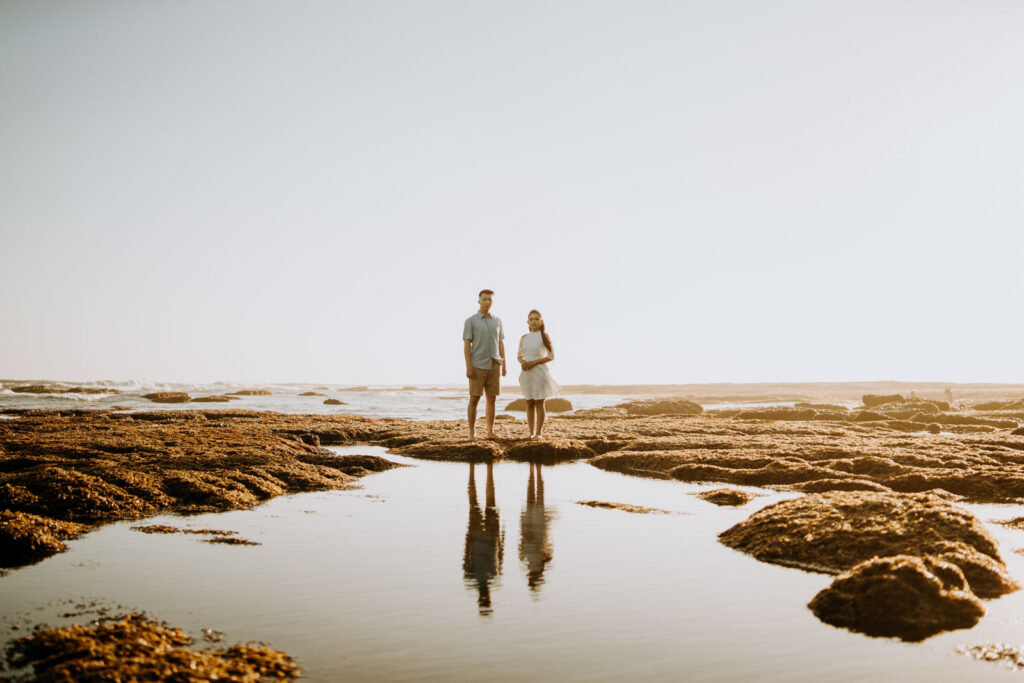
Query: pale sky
[689,191]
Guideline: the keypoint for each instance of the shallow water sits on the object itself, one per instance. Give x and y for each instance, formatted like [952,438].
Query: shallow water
[411,403]
[411,578]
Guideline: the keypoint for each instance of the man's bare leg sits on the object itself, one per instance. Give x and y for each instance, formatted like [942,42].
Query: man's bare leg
[540,417]
[529,415]
[491,400]
[471,416]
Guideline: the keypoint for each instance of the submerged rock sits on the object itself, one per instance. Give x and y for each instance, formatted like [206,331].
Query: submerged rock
[214,399]
[832,532]
[251,392]
[311,393]
[903,596]
[168,397]
[730,497]
[333,402]
[625,507]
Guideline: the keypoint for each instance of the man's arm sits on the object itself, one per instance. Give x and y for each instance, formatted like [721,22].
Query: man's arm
[467,353]
[504,365]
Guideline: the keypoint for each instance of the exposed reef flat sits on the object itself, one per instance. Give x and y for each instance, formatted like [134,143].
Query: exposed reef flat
[64,472]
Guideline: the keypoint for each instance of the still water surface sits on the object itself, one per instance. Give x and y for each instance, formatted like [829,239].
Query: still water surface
[443,571]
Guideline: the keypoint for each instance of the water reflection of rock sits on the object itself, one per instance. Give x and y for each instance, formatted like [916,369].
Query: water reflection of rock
[485,542]
[535,550]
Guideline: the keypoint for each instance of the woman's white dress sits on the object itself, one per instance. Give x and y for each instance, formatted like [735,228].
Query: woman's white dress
[536,382]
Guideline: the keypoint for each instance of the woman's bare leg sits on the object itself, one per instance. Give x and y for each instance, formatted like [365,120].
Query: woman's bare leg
[530,418]
[540,416]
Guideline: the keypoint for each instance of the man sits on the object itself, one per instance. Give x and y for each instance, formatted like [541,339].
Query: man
[483,345]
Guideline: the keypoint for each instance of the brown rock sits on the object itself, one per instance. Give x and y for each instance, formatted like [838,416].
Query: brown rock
[213,399]
[872,400]
[168,397]
[662,406]
[333,402]
[906,597]
[730,497]
[134,648]
[251,392]
[26,538]
[625,507]
[832,532]
[311,393]
[35,389]
[548,451]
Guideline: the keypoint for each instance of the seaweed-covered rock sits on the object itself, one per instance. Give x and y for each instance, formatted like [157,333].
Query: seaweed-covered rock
[134,648]
[26,538]
[168,397]
[903,596]
[214,399]
[548,451]
[832,532]
[663,406]
[731,497]
[333,402]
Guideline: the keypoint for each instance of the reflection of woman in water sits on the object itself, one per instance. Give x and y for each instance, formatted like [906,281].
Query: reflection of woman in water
[535,547]
[485,542]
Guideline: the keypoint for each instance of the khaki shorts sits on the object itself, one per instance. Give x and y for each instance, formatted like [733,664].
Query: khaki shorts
[485,380]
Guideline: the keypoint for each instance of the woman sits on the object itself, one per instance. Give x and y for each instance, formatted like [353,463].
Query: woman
[535,352]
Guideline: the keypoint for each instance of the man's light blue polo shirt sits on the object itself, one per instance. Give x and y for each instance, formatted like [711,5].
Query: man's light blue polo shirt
[485,333]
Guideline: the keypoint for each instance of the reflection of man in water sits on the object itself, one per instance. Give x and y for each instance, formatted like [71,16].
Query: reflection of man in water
[535,547]
[485,542]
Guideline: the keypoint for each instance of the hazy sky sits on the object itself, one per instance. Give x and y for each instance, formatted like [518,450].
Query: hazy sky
[689,191]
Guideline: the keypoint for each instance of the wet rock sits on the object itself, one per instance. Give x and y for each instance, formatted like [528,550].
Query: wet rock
[251,392]
[479,450]
[311,393]
[167,397]
[832,532]
[134,648]
[26,538]
[1018,432]
[731,497]
[662,406]
[35,389]
[933,428]
[230,540]
[548,451]
[1008,655]
[625,507]
[903,596]
[214,399]
[333,402]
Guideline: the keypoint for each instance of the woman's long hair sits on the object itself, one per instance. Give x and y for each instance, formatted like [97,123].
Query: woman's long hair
[543,334]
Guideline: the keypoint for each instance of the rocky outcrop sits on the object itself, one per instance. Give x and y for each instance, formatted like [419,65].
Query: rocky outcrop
[311,393]
[904,597]
[45,389]
[333,402]
[214,399]
[548,451]
[168,397]
[871,400]
[251,392]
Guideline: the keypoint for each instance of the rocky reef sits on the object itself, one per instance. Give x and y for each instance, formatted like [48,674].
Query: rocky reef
[136,648]
[917,558]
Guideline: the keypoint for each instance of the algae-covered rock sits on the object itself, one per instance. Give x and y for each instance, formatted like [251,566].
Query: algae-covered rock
[26,538]
[903,596]
[214,399]
[663,406]
[333,402]
[548,451]
[168,397]
[834,531]
[134,648]
[731,497]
